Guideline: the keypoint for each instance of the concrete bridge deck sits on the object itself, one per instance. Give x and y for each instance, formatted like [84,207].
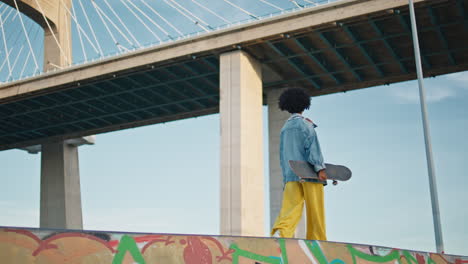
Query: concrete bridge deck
[337,47]
[23,246]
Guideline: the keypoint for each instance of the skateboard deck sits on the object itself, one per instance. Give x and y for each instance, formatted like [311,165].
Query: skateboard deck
[305,170]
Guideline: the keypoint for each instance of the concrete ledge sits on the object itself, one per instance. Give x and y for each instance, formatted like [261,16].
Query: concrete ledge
[20,246]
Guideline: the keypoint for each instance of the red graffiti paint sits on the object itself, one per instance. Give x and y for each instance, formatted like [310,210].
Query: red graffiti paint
[420,258]
[47,244]
[24,232]
[460,261]
[166,241]
[224,254]
[196,252]
[192,243]
[442,257]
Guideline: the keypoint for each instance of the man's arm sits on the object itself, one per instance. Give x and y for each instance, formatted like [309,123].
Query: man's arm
[315,154]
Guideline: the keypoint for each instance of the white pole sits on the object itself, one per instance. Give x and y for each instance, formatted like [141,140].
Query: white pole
[427,137]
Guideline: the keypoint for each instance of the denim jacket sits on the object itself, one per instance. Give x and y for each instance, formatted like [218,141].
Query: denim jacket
[298,141]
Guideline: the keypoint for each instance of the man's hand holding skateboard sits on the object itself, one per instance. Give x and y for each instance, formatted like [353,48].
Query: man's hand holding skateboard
[322,175]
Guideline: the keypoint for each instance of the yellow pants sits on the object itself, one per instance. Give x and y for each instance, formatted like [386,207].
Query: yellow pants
[294,195]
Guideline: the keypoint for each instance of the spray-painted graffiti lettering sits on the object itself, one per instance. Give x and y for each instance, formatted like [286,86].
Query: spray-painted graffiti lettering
[41,246]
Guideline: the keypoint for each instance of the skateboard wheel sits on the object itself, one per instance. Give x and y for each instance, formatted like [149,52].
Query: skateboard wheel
[335,183]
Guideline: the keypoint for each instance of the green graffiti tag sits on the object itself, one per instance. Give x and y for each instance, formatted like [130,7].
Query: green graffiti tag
[394,255]
[430,261]
[409,258]
[128,244]
[318,253]
[247,254]
[284,252]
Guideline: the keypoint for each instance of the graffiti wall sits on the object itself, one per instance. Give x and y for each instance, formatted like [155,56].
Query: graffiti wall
[23,246]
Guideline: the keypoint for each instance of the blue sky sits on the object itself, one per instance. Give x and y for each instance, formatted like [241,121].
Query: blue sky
[165,177]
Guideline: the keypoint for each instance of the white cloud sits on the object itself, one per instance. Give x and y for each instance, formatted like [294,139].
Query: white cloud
[460,77]
[409,93]
[437,89]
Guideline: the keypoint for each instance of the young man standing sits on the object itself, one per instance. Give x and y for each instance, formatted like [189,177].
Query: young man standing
[298,141]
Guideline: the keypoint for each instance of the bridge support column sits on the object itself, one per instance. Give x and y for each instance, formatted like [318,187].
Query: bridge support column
[242,176]
[276,119]
[55,56]
[60,187]
[60,175]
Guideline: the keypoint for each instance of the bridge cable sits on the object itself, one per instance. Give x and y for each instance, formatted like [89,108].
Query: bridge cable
[14,17]
[123,24]
[241,9]
[16,35]
[296,4]
[190,13]
[4,10]
[272,5]
[79,28]
[117,28]
[151,20]
[25,64]
[17,31]
[141,21]
[36,36]
[165,20]
[117,44]
[188,17]
[5,61]
[92,30]
[113,24]
[311,2]
[212,12]
[53,34]
[31,52]
[9,13]
[79,35]
[5,46]
[11,36]
[15,62]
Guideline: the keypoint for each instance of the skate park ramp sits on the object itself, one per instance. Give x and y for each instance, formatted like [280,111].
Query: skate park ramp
[24,246]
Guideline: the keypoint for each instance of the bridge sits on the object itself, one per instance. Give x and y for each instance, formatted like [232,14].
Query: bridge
[329,48]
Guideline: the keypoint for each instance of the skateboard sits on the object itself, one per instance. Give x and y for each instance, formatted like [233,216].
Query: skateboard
[305,170]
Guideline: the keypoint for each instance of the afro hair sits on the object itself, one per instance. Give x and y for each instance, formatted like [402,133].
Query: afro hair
[294,100]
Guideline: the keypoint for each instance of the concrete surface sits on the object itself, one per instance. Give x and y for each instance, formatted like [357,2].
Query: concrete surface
[28,246]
